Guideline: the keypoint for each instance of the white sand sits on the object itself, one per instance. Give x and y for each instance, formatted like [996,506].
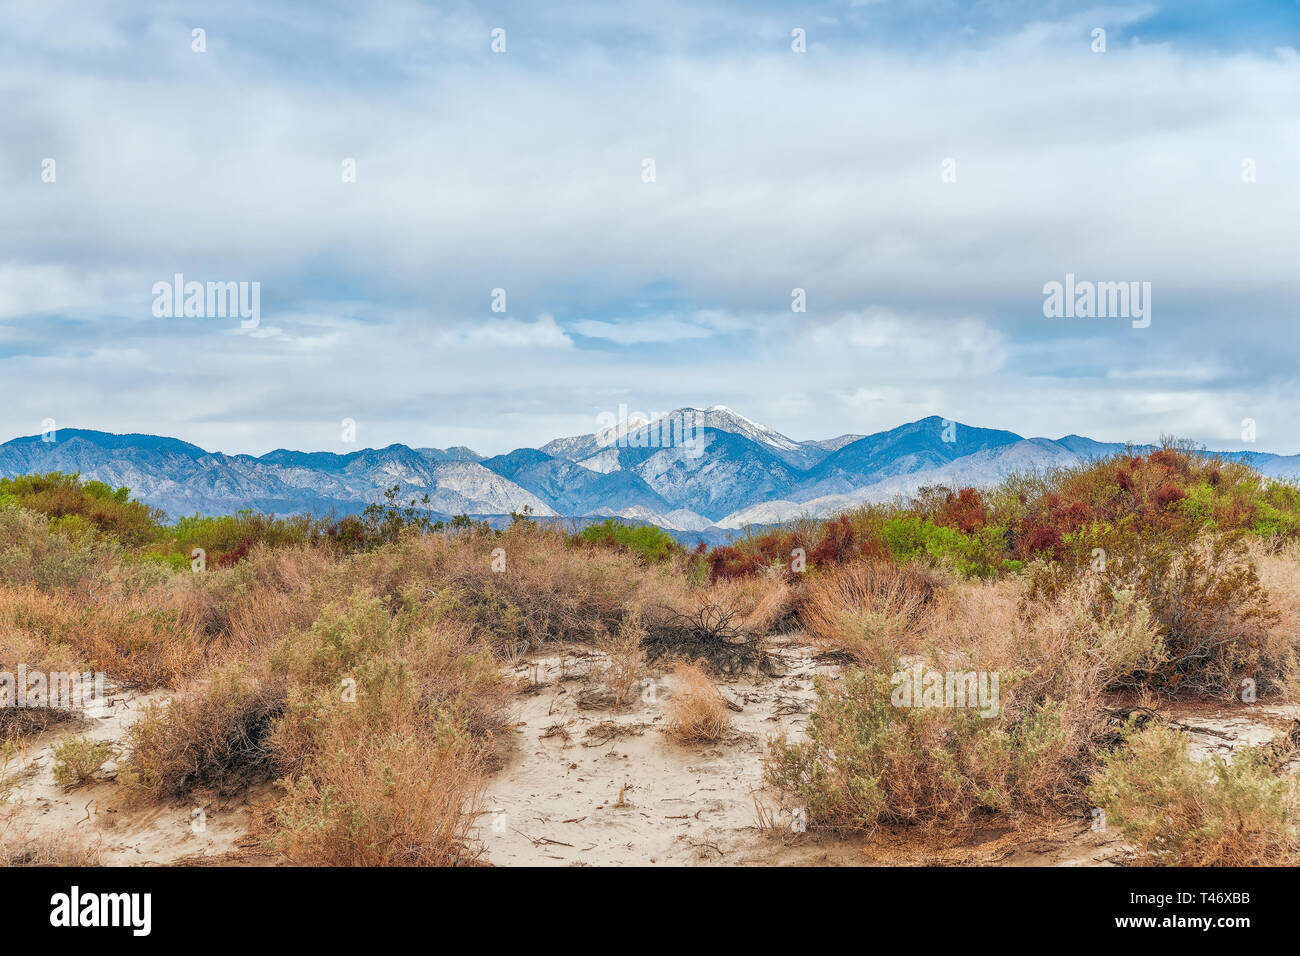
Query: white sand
[94,815]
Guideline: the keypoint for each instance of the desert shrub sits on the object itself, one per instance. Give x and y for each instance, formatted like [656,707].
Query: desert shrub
[32,553]
[388,722]
[1215,614]
[850,536]
[550,589]
[940,527]
[382,798]
[1276,511]
[724,624]
[360,663]
[871,758]
[214,737]
[376,723]
[728,562]
[397,516]
[964,511]
[624,663]
[867,762]
[648,541]
[78,759]
[1186,813]
[1204,593]
[696,711]
[226,540]
[857,608]
[708,631]
[75,506]
[762,553]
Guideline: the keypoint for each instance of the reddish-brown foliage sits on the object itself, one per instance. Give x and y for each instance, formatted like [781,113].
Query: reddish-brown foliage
[964,511]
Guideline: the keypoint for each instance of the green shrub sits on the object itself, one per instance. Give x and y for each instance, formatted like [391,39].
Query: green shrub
[650,542]
[227,539]
[75,505]
[31,553]
[977,554]
[1215,813]
[78,759]
[868,762]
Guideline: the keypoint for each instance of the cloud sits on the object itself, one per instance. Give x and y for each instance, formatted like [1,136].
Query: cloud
[775,171]
[542,333]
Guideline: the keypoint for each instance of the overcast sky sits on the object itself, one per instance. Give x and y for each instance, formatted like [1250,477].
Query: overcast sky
[523,171]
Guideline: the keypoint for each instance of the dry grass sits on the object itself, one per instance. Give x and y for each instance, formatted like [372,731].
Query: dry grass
[1280,644]
[860,609]
[696,711]
[624,665]
[871,758]
[18,848]
[134,637]
[1180,812]
[22,644]
[400,798]
[767,603]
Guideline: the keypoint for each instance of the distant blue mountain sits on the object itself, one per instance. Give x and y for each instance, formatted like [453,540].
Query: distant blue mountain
[738,472]
[107,440]
[916,446]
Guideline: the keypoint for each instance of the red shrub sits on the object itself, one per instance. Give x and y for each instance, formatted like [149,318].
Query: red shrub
[232,558]
[728,562]
[964,511]
[1169,459]
[838,545]
[1167,494]
[1044,529]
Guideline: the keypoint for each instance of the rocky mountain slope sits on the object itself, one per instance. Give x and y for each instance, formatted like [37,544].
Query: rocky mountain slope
[694,472]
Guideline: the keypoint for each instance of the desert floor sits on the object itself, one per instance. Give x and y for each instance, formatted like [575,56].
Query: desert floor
[582,782]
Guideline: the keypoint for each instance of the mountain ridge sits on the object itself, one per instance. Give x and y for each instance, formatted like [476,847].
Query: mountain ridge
[693,471]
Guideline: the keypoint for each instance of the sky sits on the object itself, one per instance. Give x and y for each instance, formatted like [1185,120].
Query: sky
[920,170]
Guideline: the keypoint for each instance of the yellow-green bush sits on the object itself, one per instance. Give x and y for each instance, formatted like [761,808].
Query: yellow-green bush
[1178,811]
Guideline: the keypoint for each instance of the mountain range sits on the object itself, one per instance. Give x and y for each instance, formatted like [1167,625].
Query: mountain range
[728,472]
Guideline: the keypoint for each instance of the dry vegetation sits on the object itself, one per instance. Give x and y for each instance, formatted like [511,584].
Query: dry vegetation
[20,849]
[358,666]
[696,711]
[1216,813]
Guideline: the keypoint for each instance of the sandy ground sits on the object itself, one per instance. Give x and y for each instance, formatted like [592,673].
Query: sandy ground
[588,785]
[596,786]
[95,817]
[584,784]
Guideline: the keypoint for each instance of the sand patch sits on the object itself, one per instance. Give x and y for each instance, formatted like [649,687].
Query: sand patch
[586,784]
[95,817]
